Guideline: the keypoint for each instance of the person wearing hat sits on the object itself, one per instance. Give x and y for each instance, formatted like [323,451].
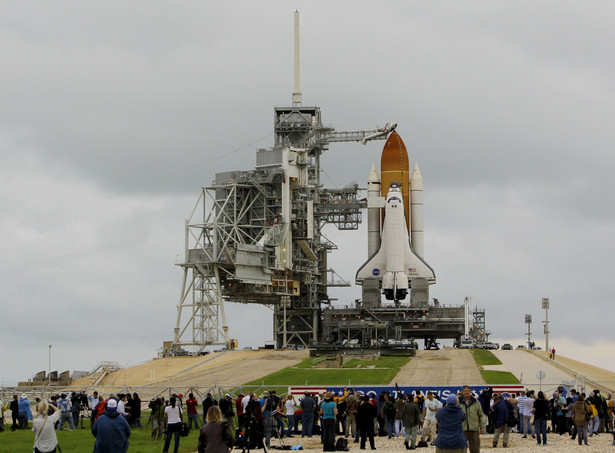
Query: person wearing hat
[450,418]
[226,408]
[25,414]
[207,403]
[328,412]
[111,431]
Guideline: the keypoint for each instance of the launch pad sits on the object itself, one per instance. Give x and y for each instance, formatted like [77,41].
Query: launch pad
[255,237]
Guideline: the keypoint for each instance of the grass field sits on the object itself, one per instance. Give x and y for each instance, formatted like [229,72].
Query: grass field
[491,377]
[499,377]
[82,440]
[354,372]
[485,357]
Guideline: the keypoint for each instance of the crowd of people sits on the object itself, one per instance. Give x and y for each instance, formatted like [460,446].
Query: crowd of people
[448,423]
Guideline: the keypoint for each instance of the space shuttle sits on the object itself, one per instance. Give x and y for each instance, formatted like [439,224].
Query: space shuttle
[395,229]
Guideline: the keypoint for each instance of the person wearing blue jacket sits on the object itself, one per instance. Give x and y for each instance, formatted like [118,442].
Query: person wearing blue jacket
[500,413]
[451,438]
[111,431]
[25,414]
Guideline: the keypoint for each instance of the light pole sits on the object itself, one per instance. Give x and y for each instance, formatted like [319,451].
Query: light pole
[49,374]
[528,321]
[545,307]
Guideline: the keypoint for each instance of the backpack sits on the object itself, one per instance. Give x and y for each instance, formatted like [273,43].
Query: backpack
[341,444]
[420,401]
[512,420]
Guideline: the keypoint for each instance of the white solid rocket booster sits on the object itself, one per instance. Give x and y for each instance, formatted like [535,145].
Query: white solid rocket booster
[416,211]
[374,203]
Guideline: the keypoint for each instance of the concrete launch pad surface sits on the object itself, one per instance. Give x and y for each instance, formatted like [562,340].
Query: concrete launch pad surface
[447,366]
[525,365]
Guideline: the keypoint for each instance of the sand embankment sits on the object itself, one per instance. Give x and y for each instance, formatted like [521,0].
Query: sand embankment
[226,368]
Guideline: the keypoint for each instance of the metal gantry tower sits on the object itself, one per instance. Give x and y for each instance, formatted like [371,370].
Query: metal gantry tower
[255,237]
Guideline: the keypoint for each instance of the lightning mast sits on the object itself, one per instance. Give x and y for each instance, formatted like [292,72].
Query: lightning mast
[297,85]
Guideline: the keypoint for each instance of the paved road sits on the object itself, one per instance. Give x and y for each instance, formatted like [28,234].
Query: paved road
[525,366]
[447,366]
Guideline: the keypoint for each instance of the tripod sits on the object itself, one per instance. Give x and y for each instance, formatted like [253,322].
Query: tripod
[251,430]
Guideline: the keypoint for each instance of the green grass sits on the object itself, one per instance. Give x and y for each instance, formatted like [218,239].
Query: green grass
[485,357]
[82,440]
[386,367]
[499,377]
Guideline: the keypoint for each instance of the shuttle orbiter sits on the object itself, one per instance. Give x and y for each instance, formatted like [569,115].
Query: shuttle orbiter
[395,263]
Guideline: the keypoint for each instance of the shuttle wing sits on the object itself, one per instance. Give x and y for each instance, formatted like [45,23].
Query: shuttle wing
[374,267]
[416,267]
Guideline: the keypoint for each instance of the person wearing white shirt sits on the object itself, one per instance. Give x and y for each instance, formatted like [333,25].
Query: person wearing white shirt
[528,406]
[174,424]
[121,406]
[44,430]
[431,406]
[290,413]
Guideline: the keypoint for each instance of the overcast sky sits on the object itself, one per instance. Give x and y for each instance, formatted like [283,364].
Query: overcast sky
[114,114]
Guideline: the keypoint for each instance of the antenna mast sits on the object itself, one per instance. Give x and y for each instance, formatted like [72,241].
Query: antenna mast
[297,87]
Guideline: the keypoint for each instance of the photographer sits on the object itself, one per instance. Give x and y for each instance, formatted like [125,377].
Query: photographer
[75,403]
[226,408]
[254,422]
[157,417]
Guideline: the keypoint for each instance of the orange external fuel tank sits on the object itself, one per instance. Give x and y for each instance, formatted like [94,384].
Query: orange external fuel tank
[394,166]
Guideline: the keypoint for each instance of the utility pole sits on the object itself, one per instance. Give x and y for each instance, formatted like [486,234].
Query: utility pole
[545,307]
[528,321]
[49,374]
